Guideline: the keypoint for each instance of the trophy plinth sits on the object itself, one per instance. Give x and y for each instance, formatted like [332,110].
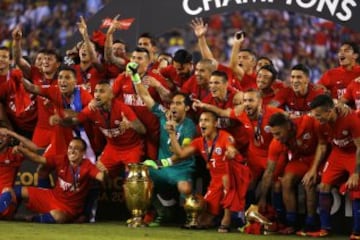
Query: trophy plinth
[138,190]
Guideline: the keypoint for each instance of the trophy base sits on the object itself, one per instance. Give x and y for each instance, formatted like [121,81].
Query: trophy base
[136,222]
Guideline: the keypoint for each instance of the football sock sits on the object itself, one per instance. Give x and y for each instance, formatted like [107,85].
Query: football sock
[279,206]
[43,218]
[291,218]
[5,200]
[356,215]
[325,207]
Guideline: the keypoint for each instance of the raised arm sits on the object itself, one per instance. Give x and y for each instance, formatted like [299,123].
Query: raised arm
[17,52]
[237,43]
[89,45]
[30,87]
[200,29]
[212,108]
[108,52]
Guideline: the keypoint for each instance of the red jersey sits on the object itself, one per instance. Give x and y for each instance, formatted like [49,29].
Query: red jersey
[213,151]
[352,94]
[257,130]
[9,165]
[61,102]
[232,80]
[248,81]
[44,107]
[337,79]
[342,132]
[302,146]
[108,123]
[194,90]
[295,104]
[169,72]
[232,126]
[72,184]
[20,106]
[124,89]
[89,77]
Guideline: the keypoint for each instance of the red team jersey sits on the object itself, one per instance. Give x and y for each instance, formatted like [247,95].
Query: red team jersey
[352,95]
[337,79]
[124,89]
[89,77]
[260,138]
[299,151]
[194,90]
[169,72]
[294,104]
[9,165]
[20,106]
[71,187]
[108,123]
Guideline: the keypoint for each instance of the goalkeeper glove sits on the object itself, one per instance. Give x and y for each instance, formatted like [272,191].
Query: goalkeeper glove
[151,163]
[132,68]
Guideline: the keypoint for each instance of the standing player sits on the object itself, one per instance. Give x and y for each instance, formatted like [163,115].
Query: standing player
[337,79]
[343,163]
[224,163]
[65,201]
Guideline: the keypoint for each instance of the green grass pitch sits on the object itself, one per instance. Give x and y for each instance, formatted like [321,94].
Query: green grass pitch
[118,230]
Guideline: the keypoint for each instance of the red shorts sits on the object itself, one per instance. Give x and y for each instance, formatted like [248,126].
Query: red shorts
[43,201]
[298,167]
[113,158]
[338,165]
[257,165]
[214,196]
[42,136]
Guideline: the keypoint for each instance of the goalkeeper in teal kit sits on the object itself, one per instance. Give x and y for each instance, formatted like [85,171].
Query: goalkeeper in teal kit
[168,172]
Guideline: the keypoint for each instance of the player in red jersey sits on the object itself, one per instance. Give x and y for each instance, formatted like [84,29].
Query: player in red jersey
[19,106]
[224,163]
[294,141]
[123,89]
[120,126]
[66,200]
[337,79]
[223,97]
[352,95]
[267,84]
[197,86]
[180,70]
[43,72]
[9,165]
[297,98]
[145,40]
[343,163]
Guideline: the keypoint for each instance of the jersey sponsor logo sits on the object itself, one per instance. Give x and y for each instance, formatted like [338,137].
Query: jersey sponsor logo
[133,100]
[342,142]
[267,129]
[112,132]
[65,186]
[306,136]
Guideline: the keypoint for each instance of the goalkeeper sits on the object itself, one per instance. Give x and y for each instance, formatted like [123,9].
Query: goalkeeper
[168,172]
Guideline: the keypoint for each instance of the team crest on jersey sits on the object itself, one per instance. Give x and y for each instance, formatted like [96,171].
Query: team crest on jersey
[218,150]
[267,129]
[117,122]
[345,133]
[88,76]
[306,136]
[7,161]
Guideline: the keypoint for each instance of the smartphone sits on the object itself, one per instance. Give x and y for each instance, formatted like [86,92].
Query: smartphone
[240,34]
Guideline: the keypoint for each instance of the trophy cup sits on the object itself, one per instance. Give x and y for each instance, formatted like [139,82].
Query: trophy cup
[252,215]
[138,190]
[194,205]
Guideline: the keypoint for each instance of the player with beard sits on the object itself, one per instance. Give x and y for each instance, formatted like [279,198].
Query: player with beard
[169,172]
[296,99]
[120,126]
[66,200]
[290,155]
[267,84]
[180,70]
[224,163]
[9,165]
[337,79]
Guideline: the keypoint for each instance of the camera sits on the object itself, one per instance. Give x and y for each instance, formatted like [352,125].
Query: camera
[240,34]
[13,142]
